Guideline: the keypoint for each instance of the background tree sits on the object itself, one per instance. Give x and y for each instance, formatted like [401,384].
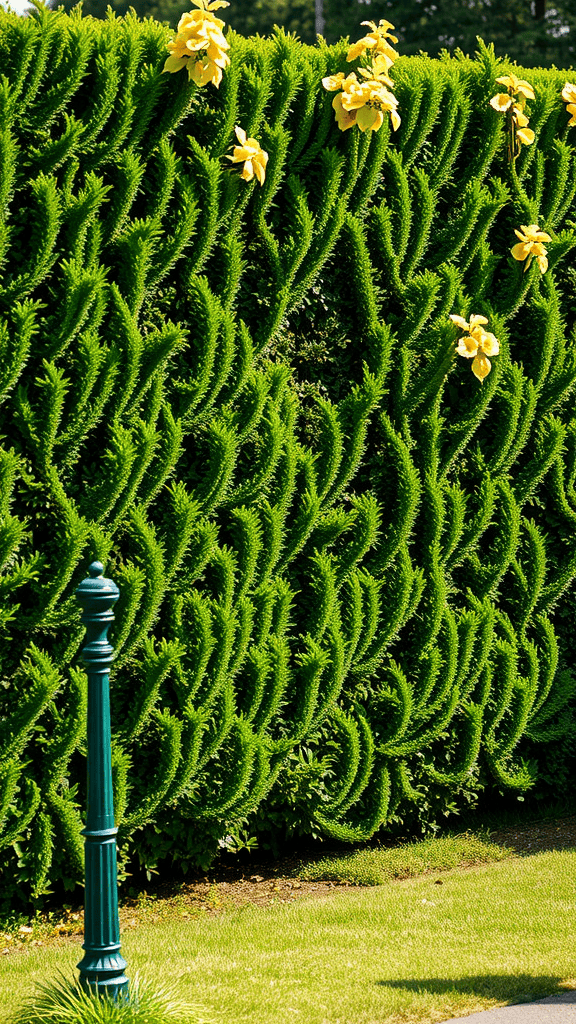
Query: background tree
[533,32]
[250,17]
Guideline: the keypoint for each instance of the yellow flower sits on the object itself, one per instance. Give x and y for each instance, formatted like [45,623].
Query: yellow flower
[530,246]
[252,155]
[203,71]
[501,102]
[512,103]
[569,97]
[517,85]
[199,46]
[526,136]
[378,70]
[381,64]
[376,41]
[519,115]
[369,100]
[363,103]
[477,344]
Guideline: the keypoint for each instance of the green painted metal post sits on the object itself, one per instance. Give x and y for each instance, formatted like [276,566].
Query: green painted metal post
[102,966]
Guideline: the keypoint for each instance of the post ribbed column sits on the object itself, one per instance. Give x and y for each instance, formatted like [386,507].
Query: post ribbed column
[102,966]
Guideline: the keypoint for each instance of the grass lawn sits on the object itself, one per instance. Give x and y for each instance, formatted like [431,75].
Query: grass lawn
[405,951]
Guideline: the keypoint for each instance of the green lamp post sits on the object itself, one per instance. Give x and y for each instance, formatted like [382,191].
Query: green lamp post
[102,966]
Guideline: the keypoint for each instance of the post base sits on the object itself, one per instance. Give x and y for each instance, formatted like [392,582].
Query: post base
[102,971]
[114,988]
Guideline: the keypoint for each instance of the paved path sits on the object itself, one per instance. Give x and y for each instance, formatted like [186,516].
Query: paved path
[559,1009]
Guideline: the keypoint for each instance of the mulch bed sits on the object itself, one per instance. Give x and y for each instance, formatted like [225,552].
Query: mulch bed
[551,834]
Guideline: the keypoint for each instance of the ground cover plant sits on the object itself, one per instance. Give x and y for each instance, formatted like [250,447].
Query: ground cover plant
[411,950]
[438,853]
[236,292]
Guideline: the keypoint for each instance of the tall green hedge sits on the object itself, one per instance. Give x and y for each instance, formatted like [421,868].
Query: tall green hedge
[344,562]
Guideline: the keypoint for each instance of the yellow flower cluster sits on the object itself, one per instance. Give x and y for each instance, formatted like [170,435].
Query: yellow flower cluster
[477,344]
[569,97]
[200,46]
[376,43]
[512,104]
[250,153]
[364,101]
[530,246]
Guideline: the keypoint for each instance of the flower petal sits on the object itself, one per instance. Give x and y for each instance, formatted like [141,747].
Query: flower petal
[344,118]
[481,366]
[173,63]
[248,171]
[395,118]
[526,136]
[259,170]
[197,72]
[519,117]
[353,100]
[366,118]
[490,344]
[460,321]
[242,153]
[467,347]
[356,50]
[333,82]
[525,89]
[521,251]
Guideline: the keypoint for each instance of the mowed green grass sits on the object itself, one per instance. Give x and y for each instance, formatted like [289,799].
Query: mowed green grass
[407,951]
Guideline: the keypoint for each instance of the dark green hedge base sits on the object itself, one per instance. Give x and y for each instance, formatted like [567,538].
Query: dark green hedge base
[344,563]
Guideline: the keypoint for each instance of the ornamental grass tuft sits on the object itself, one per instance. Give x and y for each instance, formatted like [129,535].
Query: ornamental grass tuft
[65,1001]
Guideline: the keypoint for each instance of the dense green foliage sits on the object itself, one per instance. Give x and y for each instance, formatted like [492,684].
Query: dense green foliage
[534,34]
[343,561]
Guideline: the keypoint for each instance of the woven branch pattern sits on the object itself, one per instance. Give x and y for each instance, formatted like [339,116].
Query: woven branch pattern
[334,586]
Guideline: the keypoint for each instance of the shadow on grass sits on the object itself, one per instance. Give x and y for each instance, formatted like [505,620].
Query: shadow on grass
[517,988]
